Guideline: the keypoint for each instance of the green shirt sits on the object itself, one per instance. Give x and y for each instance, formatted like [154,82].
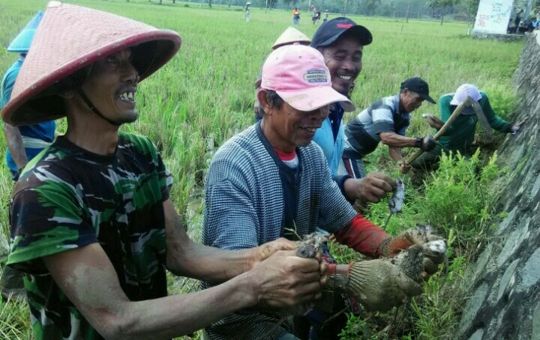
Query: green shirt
[460,135]
[68,198]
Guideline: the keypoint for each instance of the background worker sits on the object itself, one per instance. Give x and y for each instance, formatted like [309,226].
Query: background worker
[386,121]
[23,142]
[460,135]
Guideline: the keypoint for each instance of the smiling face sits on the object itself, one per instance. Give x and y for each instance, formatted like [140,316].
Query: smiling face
[344,60]
[111,86]
[287,128]
[411,100]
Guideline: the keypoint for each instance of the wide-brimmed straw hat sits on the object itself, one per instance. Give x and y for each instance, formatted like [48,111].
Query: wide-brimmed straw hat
[290,36]
[22,42]
[70,38]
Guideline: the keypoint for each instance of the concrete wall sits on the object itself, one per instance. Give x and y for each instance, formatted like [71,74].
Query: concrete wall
[505,283]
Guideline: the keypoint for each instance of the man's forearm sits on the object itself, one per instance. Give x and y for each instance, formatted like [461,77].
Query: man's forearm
[174,316]
[394,140]
[212,264]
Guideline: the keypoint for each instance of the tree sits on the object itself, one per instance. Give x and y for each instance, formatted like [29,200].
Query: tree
[472,7]
[442,5]
[371,5]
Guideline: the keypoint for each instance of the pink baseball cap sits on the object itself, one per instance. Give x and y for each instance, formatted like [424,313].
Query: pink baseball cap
[300,77]
[463,91]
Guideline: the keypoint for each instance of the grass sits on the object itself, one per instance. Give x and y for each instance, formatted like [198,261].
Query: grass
[205,95]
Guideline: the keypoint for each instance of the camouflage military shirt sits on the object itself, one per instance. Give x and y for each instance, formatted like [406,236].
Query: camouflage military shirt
[68,198]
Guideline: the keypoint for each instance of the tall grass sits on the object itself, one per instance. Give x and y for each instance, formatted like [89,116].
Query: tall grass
[205,95]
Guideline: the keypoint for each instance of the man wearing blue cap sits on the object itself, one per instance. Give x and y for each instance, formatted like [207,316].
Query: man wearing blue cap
[386,121]
[341,41]
[23,142]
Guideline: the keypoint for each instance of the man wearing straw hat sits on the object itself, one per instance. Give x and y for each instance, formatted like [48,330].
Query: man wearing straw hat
[23,142]
[270,181]
[92,224]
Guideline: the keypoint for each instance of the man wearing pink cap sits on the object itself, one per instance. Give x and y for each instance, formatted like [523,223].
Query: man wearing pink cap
[271,181]
[92,224]
[460,136]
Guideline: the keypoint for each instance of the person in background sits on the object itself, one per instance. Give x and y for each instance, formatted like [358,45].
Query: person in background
[296,16]
[23,142]
[341,41]
[92,223]
[325,16]
[460,135]
[517,20]
[247,10]
[386,121]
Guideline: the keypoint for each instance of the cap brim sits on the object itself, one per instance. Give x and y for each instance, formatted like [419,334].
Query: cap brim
[359,31]
[428,98]
[313,98]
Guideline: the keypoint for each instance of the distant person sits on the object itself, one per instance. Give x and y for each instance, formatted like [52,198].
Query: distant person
[296,16]
[460,135]
[325,16]
[23,142]
[517,20]
[533,24]
[313,14]
[247,10]
[386,121]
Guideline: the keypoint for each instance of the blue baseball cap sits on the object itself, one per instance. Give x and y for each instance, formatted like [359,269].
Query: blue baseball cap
[330,31]
[21,43]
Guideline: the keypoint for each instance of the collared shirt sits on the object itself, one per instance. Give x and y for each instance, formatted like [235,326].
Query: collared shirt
[330,137]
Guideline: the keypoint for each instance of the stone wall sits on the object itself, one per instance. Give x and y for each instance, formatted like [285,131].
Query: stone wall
[505,284]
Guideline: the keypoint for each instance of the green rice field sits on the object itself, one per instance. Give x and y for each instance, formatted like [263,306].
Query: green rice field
[205,95]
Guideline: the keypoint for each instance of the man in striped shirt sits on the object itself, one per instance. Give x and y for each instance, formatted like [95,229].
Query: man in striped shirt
[386,121]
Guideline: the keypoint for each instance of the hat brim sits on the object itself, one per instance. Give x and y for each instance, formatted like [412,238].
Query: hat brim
[456,102]
[22,42]
[428,98]
[151,50]
[358,31]
[313,98]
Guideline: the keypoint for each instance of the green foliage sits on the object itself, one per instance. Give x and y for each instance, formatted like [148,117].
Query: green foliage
[457,196]
[14,319]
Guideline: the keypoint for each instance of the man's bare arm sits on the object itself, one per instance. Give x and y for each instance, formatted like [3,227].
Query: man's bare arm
[15,145]
[392,139]
[89,280]
[187,258]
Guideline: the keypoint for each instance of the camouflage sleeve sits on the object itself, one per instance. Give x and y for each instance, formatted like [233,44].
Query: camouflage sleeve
[165,178]
[46,220]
